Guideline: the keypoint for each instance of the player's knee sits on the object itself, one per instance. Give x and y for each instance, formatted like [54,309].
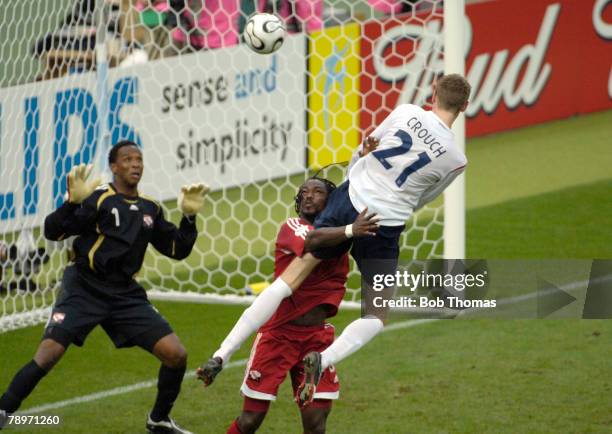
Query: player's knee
[171,351]
[250,421]
[314,417]
[314,422]
[48,354]
[176,357]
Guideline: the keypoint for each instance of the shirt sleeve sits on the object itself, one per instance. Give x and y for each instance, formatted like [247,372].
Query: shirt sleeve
[434,191]
[171,241]
[292,236]
[71,219]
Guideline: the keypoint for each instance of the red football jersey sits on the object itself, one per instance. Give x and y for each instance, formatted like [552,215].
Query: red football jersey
[325,285]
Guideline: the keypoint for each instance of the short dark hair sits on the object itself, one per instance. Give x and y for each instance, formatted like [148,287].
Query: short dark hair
[453,92]
[112,155]
[329,186]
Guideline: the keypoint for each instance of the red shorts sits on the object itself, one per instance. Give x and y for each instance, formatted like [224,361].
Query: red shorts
[280,350]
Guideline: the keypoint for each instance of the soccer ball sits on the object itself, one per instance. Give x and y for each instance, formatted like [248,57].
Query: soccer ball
[264,33]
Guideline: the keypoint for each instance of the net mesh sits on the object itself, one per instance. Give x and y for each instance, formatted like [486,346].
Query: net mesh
[172,75]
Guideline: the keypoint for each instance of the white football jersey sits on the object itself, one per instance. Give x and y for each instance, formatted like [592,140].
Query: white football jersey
[415,161]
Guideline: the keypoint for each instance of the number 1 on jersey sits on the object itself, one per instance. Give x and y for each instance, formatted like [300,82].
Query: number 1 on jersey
[382,156]
[115,212]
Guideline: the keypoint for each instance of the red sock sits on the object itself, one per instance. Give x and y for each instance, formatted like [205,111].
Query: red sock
[233,429]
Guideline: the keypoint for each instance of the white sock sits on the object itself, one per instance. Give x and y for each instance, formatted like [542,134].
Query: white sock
[354,336]
[254,317]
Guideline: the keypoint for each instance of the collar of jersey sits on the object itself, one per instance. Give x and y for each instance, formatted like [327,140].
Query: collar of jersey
[128,199]
[446,128]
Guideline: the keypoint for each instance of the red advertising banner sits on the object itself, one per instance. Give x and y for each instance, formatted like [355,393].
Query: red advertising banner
[528,62]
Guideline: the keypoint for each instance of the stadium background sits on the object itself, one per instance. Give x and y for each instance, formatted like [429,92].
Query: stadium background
[535,191]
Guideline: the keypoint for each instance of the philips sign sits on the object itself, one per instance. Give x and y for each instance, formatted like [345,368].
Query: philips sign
[47,128]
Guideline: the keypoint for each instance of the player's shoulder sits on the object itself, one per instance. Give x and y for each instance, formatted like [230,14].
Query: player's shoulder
[410,108]
[150,201]
[102,188]
[297,227]
[101,193]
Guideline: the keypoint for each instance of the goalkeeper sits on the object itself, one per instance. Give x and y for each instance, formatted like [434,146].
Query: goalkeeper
[114,225]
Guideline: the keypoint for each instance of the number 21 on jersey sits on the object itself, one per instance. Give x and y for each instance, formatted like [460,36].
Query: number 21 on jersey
[383,155]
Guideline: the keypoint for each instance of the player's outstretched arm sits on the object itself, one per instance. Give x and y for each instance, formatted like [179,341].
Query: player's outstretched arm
[174,242]
[191,198]
[369,144]
[77,213]
[81,184]
[364,225]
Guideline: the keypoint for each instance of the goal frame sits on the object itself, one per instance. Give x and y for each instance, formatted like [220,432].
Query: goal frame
[454,196]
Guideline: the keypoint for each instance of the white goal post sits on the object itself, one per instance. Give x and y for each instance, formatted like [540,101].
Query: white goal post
[454,195]
[252,126]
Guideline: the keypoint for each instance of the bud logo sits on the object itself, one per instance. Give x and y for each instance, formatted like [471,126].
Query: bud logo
[420,44]
[489,88]
[530,72]
[491,78]
[603,28]
[48,127]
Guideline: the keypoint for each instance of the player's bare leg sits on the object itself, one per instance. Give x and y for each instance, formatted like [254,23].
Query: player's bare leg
[253,414]
[248,423]
[49,352]
[173,356]
[314,419]
[171,352]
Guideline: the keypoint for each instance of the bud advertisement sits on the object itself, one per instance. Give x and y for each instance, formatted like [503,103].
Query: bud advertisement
[541,61]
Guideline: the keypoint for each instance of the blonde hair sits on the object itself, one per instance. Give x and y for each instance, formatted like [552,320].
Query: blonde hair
[453,92]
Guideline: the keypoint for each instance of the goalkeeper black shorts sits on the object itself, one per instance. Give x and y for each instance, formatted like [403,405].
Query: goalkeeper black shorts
[123,311]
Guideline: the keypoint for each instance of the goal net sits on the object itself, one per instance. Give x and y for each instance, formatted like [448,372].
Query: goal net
[80,75]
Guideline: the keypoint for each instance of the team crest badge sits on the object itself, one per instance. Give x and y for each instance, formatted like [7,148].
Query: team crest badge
[255,375]
[147,220]
[58,317]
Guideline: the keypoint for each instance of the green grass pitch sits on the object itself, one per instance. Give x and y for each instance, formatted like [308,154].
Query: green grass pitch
[538,192]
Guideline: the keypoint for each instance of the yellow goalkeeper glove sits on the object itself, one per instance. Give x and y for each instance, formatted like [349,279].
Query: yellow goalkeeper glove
[79,187]
[191,198]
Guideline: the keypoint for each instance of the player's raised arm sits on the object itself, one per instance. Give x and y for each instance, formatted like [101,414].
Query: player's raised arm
[78,212]
[174,242]
[370,143]
[365,225]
